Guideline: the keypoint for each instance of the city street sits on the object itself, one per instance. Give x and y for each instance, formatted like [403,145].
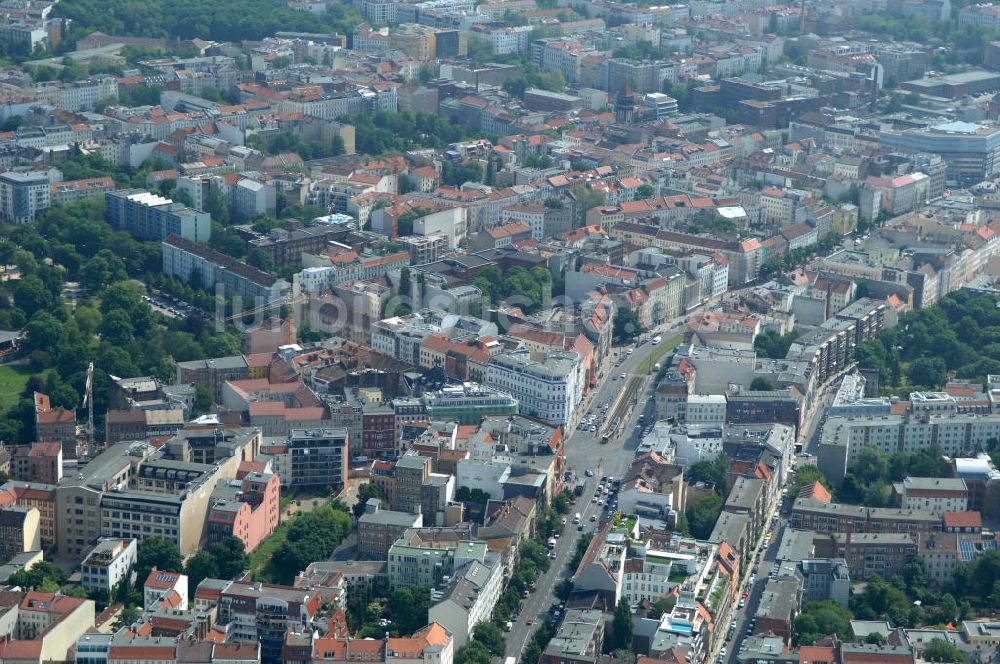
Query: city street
[584,451]
[745,615]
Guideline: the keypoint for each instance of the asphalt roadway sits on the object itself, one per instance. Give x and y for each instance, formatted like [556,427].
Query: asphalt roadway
[584,451]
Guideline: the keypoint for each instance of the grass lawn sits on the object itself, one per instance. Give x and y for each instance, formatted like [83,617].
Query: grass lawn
[262,555]
[665,346]
[13,378]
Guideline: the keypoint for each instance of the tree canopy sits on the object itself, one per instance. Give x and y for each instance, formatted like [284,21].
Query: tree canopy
[702,514]
[959,336]
[233,20]
[312,536]
[820,619]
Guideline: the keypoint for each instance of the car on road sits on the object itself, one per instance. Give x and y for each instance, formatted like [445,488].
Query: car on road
[593,499]
[622,376]
[529,622]
[588,472]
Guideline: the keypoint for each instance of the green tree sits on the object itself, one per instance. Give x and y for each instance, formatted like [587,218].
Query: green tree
[761,383]
[586,199]
[621,628]
[715,472]
[472,652]
[44,577]
[128,616]
[409,608]
[644,191]
[626,325]
[201,565]
[773,345]
[661,606]
[563,589]
[820,619]
[491,637]
[806,475]
[939,650]
[927,371]
[261,260]
[366,491]
[155,551]
[702,514]
[202,399]
[230,557]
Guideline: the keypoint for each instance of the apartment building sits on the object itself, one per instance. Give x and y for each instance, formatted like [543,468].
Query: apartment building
[263,613]
[378,529]
[77,190]
[986,15]
[19,531]
[548,388]
[78,498]
[213,373]
[162,508]
[885,554]
[43,627]
[424,556]
[151,217]
[140,424]
[827,517]
[247,509]
[318,457]
[56,425]
[23,195]
[108,564]
[579,639]
[934,494]
[38,462]
[843,438]
[469,403]
[184,259]
[36,496]
[133,490]
[468,599]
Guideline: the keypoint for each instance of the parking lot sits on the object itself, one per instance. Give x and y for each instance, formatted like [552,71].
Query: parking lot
[168,306]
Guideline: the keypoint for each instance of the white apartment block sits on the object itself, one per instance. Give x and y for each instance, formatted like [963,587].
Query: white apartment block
[531,214]
[843,438]
[647,578]
[548,389]
[984,15]
[24,195]
[707,409]
[935,494]
[109,563]
[469,600]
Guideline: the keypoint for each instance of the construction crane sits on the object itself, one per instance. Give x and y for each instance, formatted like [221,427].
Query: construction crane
[288,301]
[88,403]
